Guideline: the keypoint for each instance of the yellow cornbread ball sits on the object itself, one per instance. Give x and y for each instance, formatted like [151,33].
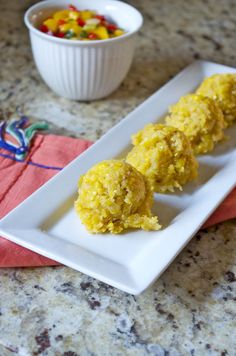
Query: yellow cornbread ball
[221,87]
[201,119]
[114,196]
[164,155]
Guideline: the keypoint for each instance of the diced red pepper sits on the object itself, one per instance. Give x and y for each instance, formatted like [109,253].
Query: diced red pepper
[61,22]
[100,17]
[80,22]
[43,28]
[59,34]
[111,27]
[104,23]
[92,36]
[73,8]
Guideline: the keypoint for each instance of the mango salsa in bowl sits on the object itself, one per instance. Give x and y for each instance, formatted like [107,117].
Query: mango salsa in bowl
[74,24]
[83,49]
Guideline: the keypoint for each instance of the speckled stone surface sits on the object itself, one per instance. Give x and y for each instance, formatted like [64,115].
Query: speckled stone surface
[191,309]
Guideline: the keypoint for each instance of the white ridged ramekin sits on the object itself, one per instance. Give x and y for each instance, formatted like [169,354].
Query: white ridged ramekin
[83,70]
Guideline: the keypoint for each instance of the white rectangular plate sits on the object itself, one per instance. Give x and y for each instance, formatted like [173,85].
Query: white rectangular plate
[46,222]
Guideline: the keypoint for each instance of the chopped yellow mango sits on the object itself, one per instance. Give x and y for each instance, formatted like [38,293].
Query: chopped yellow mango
[118,33]
[65,27]
[51,24]
[61,14]
[74,15]
[101,32]
[85,15]
[76,29]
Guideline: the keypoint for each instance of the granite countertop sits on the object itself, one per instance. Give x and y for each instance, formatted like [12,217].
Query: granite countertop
[191,309]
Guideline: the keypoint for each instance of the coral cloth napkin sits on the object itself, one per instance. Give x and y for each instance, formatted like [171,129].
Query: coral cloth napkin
[48,155]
